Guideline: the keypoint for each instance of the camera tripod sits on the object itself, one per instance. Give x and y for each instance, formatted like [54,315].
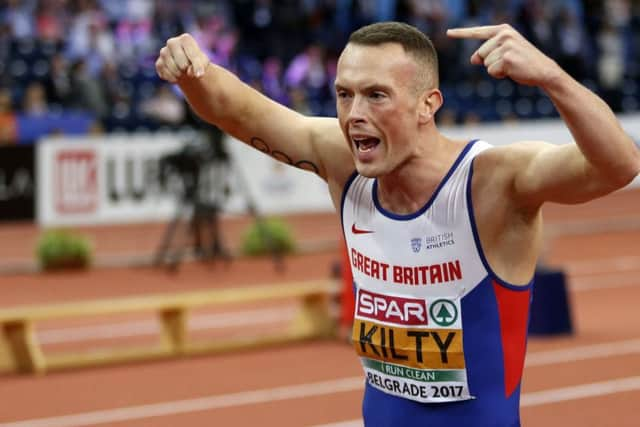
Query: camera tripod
[200,214]
[196,216]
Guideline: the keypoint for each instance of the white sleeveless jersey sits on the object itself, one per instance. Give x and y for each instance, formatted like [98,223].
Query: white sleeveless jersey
[415,278]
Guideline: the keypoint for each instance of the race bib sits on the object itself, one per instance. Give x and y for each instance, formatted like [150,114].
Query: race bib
[411,347]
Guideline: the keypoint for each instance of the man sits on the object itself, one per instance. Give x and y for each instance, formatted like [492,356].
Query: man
[443,235]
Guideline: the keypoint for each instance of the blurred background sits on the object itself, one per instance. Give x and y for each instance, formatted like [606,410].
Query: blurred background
[95,59]
[86,67]
[110,186]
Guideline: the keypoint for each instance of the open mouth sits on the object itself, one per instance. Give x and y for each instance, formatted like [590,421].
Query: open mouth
[365,144]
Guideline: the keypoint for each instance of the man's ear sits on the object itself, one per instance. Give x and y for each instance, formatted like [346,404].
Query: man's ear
[430,102]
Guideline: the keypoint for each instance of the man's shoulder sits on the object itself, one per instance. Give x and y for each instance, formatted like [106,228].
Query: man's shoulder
[507,157]
[501,168]
[495,166]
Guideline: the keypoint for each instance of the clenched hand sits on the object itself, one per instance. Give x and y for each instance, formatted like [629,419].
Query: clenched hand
[181,57]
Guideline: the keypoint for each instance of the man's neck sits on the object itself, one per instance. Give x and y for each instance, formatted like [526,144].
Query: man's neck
[410,187]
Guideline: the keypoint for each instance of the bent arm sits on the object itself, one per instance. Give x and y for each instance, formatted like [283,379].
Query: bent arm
[220,98]
[603,159]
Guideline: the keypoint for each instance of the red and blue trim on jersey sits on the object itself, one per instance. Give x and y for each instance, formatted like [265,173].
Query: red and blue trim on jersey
[495,323]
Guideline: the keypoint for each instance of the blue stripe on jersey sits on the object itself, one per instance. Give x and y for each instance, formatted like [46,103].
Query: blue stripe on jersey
[426,206]
[476,238]
[345,190]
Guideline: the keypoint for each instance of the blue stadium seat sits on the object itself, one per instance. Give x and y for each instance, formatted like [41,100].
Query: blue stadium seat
[18,69]
[505,88]
[544,107]
[630,103]
[524,107]
[40,69]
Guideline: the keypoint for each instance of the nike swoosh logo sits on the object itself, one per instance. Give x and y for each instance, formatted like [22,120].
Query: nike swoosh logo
[356,230]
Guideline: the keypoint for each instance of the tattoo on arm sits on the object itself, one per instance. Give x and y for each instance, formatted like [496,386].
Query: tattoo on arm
[262,146]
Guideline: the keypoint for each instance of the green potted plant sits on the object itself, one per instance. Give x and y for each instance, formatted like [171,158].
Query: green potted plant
[267,236]
[63,249]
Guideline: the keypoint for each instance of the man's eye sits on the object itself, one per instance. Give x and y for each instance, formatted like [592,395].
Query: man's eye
[342,94]
[377,95]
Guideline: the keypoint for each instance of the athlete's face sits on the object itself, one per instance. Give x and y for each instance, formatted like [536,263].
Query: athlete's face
[378,106]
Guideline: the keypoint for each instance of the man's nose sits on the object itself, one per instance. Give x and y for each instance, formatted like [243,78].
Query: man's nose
[357,110]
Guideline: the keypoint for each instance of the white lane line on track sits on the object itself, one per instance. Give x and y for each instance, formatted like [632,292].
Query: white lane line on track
[610,281]
[149,327]
[603,266]
[198,404]
[352,423]
[581,391]
[537,398]
[351,384]
[594,351]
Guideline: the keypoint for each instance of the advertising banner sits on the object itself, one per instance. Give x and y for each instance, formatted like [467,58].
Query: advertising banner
[17,183]
[100,180]
[122,179]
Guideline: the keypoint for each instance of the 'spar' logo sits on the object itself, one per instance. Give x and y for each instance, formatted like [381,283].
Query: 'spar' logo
[391,309]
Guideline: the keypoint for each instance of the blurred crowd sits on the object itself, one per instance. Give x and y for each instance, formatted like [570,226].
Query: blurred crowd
[97,56]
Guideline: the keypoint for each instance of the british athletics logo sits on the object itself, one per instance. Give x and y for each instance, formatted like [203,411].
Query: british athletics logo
[391,309]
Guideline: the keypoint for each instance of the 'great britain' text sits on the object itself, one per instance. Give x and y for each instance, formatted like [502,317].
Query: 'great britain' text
[407,275]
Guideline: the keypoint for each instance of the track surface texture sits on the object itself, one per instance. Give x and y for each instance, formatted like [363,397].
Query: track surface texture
[591,378]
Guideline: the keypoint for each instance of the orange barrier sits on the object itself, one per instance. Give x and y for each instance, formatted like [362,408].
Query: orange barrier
[20,350]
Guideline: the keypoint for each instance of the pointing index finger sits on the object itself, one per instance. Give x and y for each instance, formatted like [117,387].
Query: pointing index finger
[482,32]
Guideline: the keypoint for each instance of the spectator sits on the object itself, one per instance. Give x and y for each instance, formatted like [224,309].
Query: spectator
[34,102]
[87,93]
[570,42]
[51,20]
[272,80]
[112,85]
[308,71]
[19,16]
[5,46]
[58,82]
[299,101]
[167,21]
[117,40]
[611,64]
[134,29]
[8,126]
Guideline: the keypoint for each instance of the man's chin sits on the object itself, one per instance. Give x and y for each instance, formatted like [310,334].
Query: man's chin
[368,171]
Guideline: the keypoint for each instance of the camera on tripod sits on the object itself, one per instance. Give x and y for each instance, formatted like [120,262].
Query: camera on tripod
[187,164]
[205,174]
[201,169]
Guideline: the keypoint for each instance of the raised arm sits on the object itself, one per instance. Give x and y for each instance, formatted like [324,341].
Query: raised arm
[604,157]
[220,98]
